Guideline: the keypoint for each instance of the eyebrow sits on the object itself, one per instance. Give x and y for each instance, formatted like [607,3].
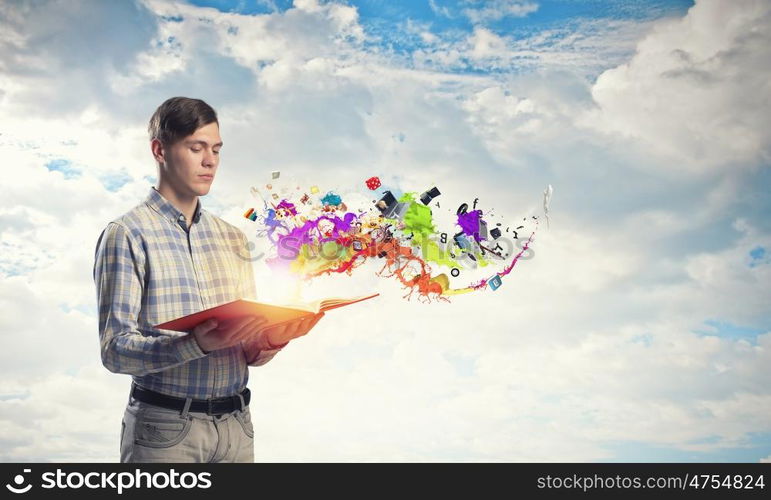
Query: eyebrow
[198,141]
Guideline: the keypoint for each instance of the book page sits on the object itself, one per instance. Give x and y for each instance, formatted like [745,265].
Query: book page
[301,306]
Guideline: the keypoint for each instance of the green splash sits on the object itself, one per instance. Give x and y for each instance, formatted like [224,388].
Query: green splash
[418,220]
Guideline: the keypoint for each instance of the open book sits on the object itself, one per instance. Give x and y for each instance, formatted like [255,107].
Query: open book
[276,314]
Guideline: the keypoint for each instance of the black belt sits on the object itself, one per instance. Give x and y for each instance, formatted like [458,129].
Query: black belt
[214,406]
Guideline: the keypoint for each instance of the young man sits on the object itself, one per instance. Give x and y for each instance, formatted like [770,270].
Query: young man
[165,258]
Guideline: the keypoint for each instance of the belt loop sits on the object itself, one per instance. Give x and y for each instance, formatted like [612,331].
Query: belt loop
[186,407]
[243,405]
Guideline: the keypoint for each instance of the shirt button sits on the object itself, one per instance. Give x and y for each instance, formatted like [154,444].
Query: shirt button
[181,217]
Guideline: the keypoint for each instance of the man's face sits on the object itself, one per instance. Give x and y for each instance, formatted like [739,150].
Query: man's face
[191,163]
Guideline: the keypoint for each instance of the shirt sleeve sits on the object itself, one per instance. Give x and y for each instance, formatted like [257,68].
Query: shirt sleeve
[254,356]
[119,268]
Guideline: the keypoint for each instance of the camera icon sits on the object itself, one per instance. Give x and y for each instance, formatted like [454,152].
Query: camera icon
[18,480]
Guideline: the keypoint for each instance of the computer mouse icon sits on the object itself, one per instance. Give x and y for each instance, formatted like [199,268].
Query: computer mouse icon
[19,480]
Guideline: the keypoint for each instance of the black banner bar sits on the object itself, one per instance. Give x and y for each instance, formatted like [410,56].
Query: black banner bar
[385,480]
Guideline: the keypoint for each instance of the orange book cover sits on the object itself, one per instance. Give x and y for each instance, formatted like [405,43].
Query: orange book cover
[276,314]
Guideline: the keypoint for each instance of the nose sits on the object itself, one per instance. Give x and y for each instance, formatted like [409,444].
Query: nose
[209,159]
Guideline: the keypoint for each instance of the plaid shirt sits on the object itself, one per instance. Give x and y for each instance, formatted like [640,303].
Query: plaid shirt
[150,268]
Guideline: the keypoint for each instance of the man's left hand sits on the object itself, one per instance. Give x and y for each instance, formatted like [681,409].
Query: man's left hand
[279,335]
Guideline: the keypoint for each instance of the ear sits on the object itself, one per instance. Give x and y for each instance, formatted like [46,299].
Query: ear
[156,147]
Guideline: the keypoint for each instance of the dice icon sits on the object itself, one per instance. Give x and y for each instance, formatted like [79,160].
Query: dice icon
[373,183]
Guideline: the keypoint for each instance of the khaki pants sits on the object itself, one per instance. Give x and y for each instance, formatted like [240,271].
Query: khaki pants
[151,433]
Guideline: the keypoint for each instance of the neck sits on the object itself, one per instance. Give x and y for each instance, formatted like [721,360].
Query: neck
[184,202]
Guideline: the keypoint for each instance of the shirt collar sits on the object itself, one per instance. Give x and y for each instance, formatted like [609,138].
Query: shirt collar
[164,207]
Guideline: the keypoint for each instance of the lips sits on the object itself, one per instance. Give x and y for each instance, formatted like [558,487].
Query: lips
[206,176]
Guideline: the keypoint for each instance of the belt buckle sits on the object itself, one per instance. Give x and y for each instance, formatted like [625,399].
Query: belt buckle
[211,402]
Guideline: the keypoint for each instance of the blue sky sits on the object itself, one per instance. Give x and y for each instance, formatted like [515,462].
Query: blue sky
[389,22]
[446,15]
[639,331]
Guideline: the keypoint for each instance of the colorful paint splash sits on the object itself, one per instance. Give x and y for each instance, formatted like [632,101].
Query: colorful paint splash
[319,236]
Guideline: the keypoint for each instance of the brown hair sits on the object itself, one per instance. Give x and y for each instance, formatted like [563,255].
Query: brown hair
[179,117]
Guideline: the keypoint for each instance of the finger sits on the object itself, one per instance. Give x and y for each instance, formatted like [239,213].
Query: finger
[298,327]
[207,326]
[261,323]
[254,329]
[316,319]
[278,329]
[254,325]
[234,324]
[243,337]
[310,321]
[242,328]
[249,332]
[295,328]
[278,334]
[305,326]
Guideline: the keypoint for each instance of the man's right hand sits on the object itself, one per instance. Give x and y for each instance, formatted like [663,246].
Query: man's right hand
[212,336]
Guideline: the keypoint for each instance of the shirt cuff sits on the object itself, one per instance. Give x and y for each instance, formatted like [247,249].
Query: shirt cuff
[187,348]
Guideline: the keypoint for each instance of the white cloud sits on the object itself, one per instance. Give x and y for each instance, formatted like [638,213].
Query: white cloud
[586,47]
[498,9]
[485,43]
[439,9]
[61,417]
[695,89]
[42,58]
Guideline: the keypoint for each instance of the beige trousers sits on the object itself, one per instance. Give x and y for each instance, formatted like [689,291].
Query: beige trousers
[151,433]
